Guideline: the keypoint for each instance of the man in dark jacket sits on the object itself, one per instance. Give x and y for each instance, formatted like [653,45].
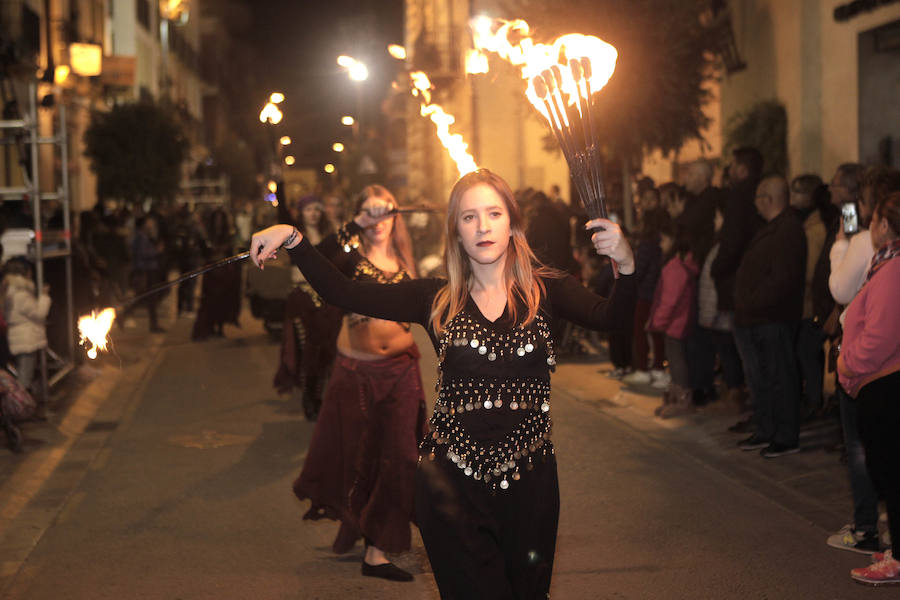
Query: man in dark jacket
[740,222]
[768,305]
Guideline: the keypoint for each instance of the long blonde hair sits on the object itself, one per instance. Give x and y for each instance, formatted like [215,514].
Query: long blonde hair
[523,272]
[400,241]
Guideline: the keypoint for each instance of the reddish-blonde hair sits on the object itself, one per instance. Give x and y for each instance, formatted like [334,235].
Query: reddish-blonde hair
[400,241]
[523,272]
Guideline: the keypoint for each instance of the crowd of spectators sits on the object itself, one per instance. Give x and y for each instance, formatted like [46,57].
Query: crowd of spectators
[760,296]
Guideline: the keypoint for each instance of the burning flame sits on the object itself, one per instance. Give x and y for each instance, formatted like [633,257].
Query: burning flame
[94,328]
[476,62]
[453,142]
[512,41]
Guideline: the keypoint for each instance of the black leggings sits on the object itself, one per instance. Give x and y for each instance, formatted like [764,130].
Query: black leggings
[486,545]
[878,406]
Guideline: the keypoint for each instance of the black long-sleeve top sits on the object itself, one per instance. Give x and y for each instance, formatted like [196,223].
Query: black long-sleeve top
[492,413]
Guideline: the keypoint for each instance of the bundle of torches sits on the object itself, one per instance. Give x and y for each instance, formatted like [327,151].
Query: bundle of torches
[562,78]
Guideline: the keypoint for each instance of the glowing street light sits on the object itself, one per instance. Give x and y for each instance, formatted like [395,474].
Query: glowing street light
[285,140]
[273,187]
[347,120]
[358,72]
[337,147]
[397,51]
[271,114]
[276,98]
[329,168]
[289,160]
[355,69]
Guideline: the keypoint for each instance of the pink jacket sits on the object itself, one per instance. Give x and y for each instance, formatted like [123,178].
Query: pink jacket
[871,344]
[672,312]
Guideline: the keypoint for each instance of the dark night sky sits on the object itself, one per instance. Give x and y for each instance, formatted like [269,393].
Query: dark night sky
[300,40]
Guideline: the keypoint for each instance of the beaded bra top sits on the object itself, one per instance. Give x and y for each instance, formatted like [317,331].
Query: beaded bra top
[360,267]
[492,415]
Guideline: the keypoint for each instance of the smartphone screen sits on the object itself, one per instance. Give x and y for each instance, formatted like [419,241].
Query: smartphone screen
[850,218]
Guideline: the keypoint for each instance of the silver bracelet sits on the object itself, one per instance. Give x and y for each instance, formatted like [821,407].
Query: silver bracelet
[291,238]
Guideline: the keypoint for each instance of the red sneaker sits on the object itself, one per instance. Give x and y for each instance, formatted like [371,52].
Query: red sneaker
[884,572]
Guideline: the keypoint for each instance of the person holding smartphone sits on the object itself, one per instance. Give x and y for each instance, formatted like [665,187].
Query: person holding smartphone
[850,257]
[852,250]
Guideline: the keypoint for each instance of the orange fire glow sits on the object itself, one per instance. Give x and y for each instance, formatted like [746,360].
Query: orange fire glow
[94,328]
[454,143]
[512,41]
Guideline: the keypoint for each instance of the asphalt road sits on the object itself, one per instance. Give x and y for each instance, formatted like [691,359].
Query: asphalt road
[185,493]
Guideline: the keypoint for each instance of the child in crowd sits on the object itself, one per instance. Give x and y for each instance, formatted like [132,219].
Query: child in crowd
[672,314]
[648,258]
[26,315]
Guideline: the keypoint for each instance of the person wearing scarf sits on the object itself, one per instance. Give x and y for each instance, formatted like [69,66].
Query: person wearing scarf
[869,370]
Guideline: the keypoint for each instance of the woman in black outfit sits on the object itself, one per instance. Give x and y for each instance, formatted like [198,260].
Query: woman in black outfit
[487,496]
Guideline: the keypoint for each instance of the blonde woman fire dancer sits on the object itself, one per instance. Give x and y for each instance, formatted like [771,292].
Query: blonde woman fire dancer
[486,492]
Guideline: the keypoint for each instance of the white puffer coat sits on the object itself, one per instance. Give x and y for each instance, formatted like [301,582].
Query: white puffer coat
[25,315]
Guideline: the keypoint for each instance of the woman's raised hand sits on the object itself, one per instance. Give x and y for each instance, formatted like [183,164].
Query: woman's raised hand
[266,243]
[611,242]
[373,211]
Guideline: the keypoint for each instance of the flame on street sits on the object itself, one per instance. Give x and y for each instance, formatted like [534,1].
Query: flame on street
[93,329]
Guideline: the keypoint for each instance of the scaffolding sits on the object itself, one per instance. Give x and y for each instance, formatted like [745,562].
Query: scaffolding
[22,133]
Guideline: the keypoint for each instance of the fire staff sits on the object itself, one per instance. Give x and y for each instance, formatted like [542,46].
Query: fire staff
[487,496]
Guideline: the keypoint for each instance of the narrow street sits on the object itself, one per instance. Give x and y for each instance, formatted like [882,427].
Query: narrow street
[179,486]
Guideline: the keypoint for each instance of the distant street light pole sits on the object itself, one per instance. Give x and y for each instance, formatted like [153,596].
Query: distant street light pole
[358,72]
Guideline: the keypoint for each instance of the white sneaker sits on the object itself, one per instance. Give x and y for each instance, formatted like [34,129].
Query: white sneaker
[637,378]
[660,379]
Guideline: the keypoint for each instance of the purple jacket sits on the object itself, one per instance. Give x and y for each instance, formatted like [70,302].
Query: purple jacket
[672,312]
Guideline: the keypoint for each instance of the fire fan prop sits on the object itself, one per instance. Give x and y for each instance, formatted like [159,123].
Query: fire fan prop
[562,80]
[94,328]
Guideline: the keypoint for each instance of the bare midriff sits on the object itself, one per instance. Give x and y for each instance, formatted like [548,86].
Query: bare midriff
[373,339]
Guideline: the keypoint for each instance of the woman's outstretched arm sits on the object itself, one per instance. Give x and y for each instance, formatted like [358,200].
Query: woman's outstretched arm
[407,301]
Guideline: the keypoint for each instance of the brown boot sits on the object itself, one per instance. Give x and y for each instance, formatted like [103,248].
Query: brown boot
[682,403]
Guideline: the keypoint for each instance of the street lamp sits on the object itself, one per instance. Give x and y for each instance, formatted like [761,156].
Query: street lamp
[289,160]
[285,140]
[329,168]
[276,98]
[358,72]
[270,113]
[397,51]
[337,147]
[347,120]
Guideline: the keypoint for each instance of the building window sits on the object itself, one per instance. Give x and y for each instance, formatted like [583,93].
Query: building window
[143,13]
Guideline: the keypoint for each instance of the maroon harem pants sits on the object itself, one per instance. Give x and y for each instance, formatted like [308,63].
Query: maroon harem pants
[361,464]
